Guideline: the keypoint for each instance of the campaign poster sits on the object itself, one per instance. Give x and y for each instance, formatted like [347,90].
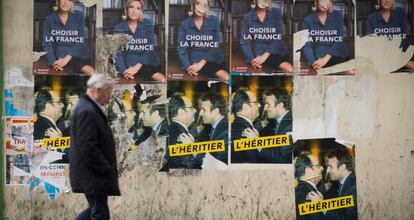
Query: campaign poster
[19,134]
[132,48]
[324,37]
[64,37]
[198,125]
[198,40]
[261,119]
[262,39]
[325,179]
[138,116]
[389,26]
[18,144]
[54,99]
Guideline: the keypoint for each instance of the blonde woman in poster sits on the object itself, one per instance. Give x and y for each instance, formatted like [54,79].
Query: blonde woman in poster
[390,21]
[326,46]
[199,43]
[262,37]
[139,59]
[64,39]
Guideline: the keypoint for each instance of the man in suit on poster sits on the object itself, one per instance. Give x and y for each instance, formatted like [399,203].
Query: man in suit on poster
[92,158]
[213,110]
[48,108]
[277,106]
[181,113]
[245,108]
[154,116]
[341,168]
[308,173]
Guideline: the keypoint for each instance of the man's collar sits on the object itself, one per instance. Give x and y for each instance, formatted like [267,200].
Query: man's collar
[183,125]
[279,119]
[248,120]
[217,122]
[49,118]
[312,184]
[97,103]
[157,126]
[342,181]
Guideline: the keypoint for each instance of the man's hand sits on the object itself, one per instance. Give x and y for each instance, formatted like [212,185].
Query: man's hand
[314,196]
[53,133]
[250,133]
[185,138]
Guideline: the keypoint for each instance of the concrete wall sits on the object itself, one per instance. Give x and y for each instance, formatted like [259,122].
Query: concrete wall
[373,110]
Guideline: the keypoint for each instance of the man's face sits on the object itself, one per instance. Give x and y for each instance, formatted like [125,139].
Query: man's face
[272,109]
[315,172]
[54,109]
[134,10]
[387,4]
[189,111]
[253,106]
[146,116]
[65,5]
[334,171]
[72,101]
[206,112]
[104,95]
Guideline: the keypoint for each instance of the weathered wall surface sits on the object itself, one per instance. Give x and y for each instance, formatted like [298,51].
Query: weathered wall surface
[373,110]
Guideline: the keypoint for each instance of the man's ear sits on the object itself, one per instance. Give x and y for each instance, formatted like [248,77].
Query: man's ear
[180,111]
[307,170]
[156,112]
[281,105]
[216,111]
[50,104]
[342,167]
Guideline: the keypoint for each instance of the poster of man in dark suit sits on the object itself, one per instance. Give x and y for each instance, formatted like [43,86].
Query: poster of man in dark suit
[181,113]
[260,109]
[213,110]
[324,169]
[277,107]
[308,173]
[48,108]
[245,109]
[340,167]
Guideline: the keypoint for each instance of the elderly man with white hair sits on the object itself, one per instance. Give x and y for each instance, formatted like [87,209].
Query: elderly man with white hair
[93,169]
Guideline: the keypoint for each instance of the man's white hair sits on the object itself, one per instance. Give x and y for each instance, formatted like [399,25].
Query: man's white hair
[100,81]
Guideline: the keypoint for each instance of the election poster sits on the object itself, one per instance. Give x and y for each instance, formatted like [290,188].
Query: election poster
[132,48]
[198,125]
[261,119]
[54,99]
[325,179]
[324,37]
[138,115]
[388,24]
[262,39]
[64,34]
[198,40]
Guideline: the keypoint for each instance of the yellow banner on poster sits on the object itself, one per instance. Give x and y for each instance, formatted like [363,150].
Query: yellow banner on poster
[196,148]
[58,143]
[326,205]
[261,142]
